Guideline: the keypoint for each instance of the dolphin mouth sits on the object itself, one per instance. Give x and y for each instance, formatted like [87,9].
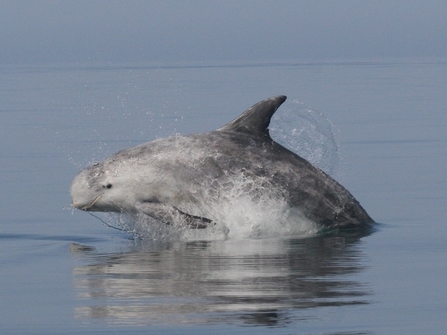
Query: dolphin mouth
[88,206]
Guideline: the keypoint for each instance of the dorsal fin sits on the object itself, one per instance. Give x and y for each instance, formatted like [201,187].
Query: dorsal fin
[256,119]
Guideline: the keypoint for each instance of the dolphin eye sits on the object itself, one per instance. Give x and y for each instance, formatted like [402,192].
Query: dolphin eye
[107,186]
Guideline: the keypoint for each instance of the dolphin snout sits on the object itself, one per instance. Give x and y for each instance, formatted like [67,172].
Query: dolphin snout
[88,206]
[80,206]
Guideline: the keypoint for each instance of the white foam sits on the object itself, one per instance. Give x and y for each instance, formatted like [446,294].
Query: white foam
[249,210]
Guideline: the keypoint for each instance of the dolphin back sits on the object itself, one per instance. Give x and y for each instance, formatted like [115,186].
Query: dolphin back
[255,120]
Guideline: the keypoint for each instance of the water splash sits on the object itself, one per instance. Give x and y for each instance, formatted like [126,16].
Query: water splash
[143,227]
[308,133]
[240,209]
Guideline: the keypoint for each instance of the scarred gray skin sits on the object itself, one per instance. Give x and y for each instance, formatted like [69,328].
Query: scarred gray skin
[186,177]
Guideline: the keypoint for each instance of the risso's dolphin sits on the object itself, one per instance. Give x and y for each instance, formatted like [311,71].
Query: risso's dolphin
[187,180]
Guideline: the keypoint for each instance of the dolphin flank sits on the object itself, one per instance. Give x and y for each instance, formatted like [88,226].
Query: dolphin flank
[186,179]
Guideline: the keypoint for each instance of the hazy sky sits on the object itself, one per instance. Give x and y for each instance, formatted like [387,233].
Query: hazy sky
[209,30]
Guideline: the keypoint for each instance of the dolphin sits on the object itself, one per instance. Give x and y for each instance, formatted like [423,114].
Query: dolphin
[186,179]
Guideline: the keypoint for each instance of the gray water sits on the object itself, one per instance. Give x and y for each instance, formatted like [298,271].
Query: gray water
[64,272]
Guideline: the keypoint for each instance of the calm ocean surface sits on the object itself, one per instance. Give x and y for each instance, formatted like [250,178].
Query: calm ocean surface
[389,120]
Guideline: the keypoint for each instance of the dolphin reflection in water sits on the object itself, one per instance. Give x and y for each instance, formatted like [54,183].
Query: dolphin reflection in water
[258,282]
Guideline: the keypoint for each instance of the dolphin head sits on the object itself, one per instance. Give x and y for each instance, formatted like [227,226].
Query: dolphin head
[98,188]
